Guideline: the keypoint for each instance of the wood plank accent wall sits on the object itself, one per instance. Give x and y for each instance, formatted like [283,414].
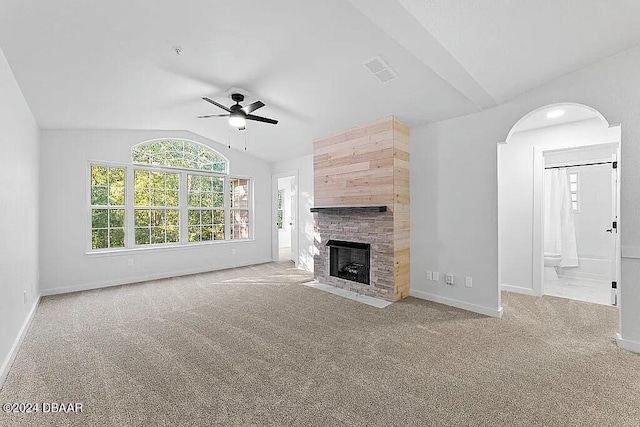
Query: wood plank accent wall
[369,166]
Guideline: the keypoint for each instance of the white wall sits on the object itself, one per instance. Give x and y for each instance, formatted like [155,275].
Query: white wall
[516,195]
[65,264]
[306,225]
[19,158]
[454,200]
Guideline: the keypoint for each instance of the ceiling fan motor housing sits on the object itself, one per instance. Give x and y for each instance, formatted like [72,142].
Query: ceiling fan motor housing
[237,97]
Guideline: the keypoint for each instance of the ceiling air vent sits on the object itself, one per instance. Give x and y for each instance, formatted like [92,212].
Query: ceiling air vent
[380,69]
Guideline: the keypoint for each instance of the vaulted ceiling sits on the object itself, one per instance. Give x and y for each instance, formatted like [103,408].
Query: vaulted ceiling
[110,64]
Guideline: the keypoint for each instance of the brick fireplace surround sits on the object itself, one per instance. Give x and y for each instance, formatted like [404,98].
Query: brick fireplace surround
[354,171]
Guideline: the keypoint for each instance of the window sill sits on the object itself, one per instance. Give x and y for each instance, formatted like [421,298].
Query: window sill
[124,251]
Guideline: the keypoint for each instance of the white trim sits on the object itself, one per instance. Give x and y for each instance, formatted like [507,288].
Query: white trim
[487,311]
[137,279]
[519,290]
[13,352]
[160,247]
[633,346]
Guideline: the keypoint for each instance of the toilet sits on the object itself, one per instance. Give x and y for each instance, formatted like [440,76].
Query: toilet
[551,261]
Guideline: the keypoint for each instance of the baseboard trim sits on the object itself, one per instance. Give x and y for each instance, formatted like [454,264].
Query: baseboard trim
[8,362]
[633,346]
[487,311]
[519,290]
[137,279]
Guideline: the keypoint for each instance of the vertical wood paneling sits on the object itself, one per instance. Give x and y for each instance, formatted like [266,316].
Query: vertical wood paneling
[369,166]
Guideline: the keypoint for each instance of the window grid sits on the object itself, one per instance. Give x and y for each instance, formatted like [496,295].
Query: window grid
[206,208]
[156,213]
[107,207]
[574,188]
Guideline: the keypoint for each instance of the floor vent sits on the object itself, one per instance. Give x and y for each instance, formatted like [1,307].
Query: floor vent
[380,69]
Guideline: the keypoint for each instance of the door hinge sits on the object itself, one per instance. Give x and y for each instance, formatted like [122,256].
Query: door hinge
[615,165]
[614,285]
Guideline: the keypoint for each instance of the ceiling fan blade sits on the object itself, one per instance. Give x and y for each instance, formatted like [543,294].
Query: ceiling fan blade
[261,119]
[216,104]
[252,107]
[213,115]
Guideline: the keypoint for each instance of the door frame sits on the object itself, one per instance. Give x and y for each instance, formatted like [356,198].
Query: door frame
[538,209]
[275,248]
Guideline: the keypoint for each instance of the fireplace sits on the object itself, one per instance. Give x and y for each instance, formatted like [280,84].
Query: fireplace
[349,260]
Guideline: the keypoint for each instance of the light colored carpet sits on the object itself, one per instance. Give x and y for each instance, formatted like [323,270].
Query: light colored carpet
[251,346]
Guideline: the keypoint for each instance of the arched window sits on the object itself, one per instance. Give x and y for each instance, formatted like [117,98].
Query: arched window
[175,192]
[178,153]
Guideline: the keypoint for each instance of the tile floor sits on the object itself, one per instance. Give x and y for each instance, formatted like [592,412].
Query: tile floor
[579,289]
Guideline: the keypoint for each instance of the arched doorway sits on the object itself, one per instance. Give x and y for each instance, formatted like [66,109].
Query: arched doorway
[563,145]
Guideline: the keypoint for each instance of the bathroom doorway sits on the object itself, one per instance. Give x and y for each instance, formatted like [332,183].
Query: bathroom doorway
[561,135]
[579,236]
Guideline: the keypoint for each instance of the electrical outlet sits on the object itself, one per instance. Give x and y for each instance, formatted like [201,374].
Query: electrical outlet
[468,282]
[428,275]
[130,262]
[435,276]
[233,251]
[449,279]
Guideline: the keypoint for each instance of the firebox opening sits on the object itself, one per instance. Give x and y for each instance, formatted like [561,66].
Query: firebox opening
[349,260]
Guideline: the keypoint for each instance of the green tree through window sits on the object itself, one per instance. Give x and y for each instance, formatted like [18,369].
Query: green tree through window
[107,207]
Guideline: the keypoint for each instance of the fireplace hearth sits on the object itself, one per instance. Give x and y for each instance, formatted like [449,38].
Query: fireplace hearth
[350,260]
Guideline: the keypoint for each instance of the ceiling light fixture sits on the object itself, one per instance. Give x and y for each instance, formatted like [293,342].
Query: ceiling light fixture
[237,120]
[553,114]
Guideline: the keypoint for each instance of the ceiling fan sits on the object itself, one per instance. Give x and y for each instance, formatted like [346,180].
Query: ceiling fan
[238,115]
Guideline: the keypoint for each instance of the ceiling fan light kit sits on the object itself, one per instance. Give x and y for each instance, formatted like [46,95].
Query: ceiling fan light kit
[238,115]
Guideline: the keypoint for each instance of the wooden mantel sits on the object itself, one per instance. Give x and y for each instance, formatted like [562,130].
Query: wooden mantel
[369,166]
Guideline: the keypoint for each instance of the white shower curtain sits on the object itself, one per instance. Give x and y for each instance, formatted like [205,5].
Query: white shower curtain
[559,228]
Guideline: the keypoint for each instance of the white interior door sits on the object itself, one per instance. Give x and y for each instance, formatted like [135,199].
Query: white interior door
[293,221]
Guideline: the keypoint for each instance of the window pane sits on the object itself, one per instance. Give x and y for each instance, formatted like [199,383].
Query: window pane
[207,217]
[142,197]
[173,217]
[239,224]
[574,187]
[218,216]
[116,196]
[194,198]
[99,196]
[158,235]
[173,234]
[116,177]
[573,177]
[116,218]
[99,175]
[207,233]
[99,239]
[574,197]
[142,217]
[218,232]
[194,233]
[172,198]
[116,237]
[574,205]
[194,217]
[239,193]
[99,218]
[142,236]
